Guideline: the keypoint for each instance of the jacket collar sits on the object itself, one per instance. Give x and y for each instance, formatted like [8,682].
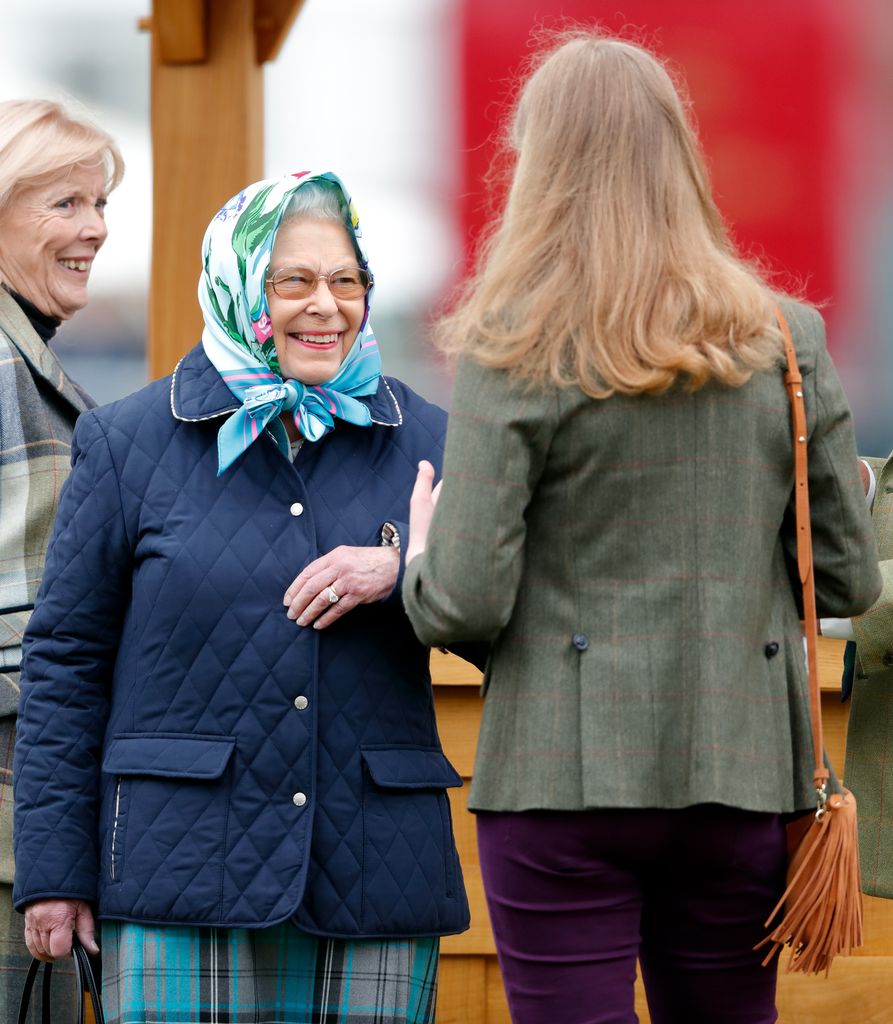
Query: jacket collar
[39,358]
[199,393]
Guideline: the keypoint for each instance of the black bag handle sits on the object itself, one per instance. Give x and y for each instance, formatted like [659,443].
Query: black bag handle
[84,978]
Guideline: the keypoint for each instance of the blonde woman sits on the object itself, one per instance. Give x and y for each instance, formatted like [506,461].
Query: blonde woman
[616,520]
[56,172]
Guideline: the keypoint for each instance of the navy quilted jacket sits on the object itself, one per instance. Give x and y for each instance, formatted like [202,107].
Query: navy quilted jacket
[188,755]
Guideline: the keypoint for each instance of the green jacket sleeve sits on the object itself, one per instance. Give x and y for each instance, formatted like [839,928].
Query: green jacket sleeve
[844,552]
[465,585]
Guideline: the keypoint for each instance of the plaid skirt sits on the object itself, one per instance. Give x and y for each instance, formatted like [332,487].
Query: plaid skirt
[277,975]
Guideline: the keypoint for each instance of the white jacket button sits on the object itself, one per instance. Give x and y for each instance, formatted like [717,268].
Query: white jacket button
[299,799]
[296,509]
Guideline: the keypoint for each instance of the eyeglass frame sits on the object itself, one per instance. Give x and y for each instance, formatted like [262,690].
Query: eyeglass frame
[270,279]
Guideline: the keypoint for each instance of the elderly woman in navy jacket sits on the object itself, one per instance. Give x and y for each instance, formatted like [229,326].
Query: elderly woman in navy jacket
[245,782]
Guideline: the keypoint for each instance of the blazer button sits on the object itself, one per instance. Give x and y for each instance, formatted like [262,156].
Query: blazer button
[580,641]
[771,649]
[888,659]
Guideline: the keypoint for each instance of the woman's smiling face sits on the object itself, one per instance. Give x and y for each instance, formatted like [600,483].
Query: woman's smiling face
[313,335]
[49,235]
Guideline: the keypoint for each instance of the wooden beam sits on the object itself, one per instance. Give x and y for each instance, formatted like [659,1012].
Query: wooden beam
[181,28]
[273,20]
[207,135]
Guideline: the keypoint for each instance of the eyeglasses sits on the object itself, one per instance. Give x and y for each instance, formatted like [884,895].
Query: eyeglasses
[301,282]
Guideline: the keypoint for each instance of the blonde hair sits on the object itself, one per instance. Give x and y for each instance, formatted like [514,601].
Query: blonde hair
[40,140]
[610,267]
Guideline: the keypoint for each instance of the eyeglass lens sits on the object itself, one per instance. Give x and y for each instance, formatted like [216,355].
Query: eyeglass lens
[300,282]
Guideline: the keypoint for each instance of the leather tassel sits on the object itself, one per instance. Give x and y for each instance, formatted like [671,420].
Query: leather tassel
[823,900]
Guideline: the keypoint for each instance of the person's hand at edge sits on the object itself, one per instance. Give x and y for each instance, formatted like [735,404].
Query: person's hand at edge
[421,509]
[49,925]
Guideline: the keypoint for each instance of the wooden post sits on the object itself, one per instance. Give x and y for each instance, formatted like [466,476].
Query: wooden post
[207,142]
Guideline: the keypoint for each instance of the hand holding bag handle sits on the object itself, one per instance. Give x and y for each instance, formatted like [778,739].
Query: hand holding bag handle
[823,899]
[86,982]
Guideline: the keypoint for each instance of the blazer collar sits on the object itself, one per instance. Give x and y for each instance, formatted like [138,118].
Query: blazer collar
[199,393]
[39,358]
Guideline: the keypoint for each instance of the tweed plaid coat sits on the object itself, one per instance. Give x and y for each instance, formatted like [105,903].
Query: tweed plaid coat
[38,408]
[869,746]
[629,559]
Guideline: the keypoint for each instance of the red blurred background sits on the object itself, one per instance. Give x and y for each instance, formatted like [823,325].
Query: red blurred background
[794,103]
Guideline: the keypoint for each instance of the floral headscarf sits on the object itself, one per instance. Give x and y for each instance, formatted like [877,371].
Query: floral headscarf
[238,335]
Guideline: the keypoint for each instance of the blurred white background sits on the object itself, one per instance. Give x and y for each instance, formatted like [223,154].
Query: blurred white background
[360,89]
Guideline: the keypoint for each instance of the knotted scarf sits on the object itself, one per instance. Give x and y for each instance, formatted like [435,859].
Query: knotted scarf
[238,335]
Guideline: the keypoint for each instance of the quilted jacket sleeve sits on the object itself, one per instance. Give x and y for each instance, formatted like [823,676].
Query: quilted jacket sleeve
[465,585]
[69,655]
[844,552]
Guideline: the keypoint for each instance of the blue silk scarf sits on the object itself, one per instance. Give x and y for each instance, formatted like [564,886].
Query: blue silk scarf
[238,335]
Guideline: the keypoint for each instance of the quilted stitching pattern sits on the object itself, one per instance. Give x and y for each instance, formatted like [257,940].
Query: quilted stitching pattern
[161,651]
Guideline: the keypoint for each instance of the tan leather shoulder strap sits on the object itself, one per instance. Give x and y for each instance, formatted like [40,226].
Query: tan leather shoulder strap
[794,384]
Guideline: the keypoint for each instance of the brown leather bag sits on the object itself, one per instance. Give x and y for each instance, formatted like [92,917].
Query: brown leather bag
[823,900]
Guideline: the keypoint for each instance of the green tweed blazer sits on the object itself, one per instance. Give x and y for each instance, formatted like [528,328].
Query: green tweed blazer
[629,559]
[39,404]
[869,745]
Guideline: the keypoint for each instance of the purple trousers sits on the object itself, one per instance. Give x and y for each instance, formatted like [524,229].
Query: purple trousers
[576,897]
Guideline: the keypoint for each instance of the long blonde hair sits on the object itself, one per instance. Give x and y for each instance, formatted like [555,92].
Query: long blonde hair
[610,267]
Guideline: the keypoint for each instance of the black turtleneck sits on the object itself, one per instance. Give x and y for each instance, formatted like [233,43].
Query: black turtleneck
[43,324]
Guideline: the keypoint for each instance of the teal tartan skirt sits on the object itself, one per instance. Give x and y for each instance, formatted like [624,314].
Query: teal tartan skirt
[276,975]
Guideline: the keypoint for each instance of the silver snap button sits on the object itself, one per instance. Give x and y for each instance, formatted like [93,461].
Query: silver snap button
[296,509]
[301,703]
[299,799]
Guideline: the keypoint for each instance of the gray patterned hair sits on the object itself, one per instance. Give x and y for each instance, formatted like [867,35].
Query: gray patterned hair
[320,200]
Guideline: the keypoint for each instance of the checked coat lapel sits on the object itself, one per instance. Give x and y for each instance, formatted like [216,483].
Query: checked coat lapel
[39,404]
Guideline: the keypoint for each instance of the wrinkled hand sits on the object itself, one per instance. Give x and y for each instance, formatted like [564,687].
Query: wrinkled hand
[358,576]
[421,509]
[49,925]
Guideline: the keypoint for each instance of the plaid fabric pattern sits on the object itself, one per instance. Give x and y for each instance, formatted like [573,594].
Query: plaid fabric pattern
[629,559]
[38,408]
[869,744]
[276,975]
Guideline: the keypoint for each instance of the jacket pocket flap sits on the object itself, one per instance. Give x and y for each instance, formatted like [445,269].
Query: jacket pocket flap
[410,767]
[176,755]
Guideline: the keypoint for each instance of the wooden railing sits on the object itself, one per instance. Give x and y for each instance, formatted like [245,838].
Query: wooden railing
[858,991]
